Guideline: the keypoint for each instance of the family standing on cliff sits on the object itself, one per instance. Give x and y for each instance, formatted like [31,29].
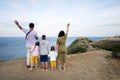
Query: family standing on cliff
[42,51]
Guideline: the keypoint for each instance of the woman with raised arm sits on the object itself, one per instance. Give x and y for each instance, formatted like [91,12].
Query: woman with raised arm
[61,48]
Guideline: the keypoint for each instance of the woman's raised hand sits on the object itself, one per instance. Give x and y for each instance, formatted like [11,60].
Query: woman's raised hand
[68,24]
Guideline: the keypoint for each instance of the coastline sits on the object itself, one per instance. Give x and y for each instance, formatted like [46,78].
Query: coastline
[9,52]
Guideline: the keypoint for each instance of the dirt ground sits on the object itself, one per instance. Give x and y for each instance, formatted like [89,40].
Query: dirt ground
[93,65]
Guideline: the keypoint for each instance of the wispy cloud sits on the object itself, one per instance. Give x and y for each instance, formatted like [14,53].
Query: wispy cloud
[86,17]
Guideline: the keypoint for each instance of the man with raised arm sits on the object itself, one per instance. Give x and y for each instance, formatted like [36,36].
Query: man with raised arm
[30,38]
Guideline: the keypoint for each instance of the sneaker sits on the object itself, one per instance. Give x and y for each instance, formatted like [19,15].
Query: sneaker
[63,68]
[28,66]
[33,66]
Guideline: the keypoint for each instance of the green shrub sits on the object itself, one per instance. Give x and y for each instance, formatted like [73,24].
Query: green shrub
[116,54]
[74,42]
[77,50]
[116,48]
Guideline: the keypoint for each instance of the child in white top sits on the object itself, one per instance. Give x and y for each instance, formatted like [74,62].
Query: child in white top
[34,55]
[53,56]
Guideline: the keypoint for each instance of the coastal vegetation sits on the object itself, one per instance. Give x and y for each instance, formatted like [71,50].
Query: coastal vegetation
[83,44]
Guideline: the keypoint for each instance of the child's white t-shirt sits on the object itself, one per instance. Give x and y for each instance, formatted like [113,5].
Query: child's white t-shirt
[52,55]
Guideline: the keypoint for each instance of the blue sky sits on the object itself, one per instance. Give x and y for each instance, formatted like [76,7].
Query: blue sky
[87,17]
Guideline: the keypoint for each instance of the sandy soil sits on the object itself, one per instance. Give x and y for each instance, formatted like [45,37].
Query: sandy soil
[93,65]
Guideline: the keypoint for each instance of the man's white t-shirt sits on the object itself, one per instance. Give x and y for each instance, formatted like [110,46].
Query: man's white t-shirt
[30,41]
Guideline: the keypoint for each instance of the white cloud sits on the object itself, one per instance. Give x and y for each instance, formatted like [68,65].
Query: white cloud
[10,31]
[86,17]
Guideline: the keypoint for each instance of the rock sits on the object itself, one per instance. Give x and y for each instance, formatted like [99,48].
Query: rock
[116,54]
[80,45]
[83,44]
[111,43]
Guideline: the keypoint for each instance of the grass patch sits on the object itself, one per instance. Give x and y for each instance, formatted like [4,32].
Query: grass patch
[74,42]
[77,50]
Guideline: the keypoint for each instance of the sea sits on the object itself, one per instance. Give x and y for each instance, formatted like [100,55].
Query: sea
[14,47]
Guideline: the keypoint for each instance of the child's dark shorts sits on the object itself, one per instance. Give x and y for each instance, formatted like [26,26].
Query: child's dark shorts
[43,58]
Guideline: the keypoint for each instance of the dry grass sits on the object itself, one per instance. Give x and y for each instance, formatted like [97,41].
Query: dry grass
[93,65]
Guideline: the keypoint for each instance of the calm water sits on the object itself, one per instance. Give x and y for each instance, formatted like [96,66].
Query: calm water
[14,47]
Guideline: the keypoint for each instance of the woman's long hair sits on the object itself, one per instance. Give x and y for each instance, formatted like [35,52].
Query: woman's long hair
[61,33]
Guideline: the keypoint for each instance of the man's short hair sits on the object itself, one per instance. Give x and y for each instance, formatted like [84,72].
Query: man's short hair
[31,25]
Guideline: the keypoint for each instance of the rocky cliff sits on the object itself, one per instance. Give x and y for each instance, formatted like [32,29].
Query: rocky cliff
[83,44]
[80,45]
[111,43]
